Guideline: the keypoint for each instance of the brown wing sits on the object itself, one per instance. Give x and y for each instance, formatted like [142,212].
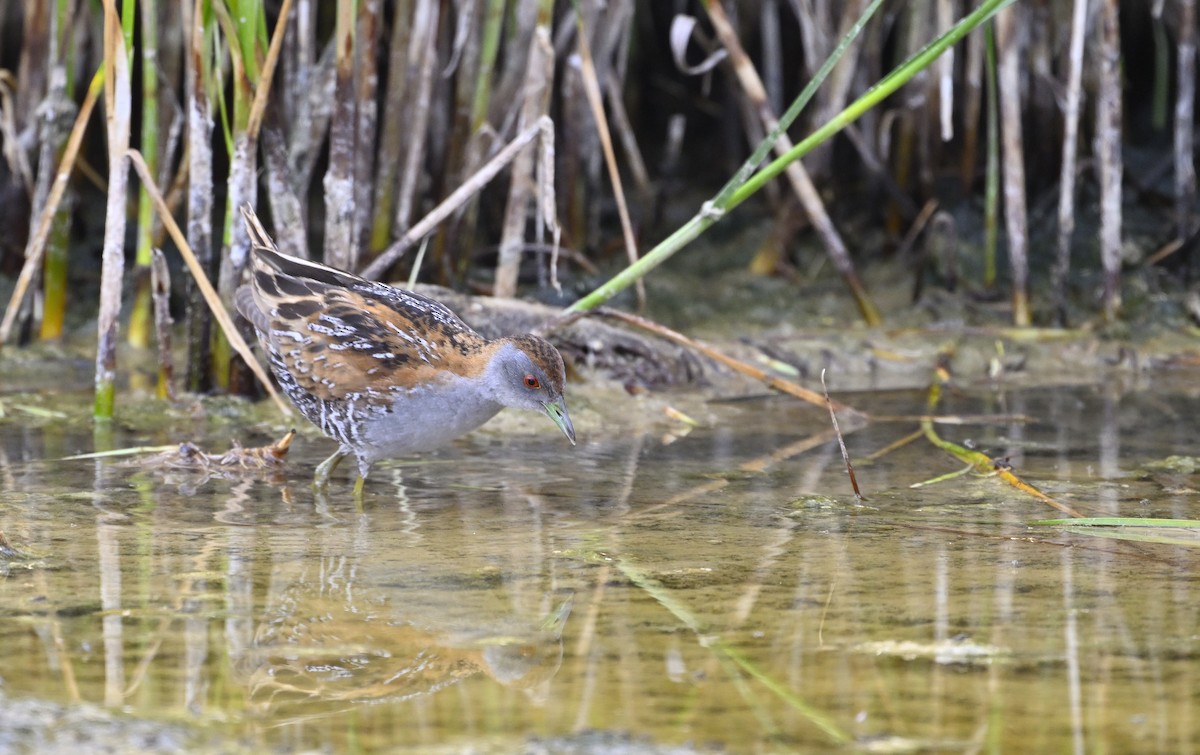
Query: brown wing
[337,343]
[340,336]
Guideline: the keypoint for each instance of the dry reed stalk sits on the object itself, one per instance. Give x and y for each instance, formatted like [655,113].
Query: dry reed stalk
[612,57]
[772,53]
[392,131]
[32,85]
[1185,120]
[340,250]
[460,196]
[262,89]
[866,152]
[972,96]
[907,147]
[798,177]
[56,127]
[1108,152]
[304,63]
[243,163]
[118,107]
[297,66]
[14,156]
[580,165]
[477,145]
[31,67]
[1008,72]
[591,88]
[470,46]
[199,199]
[943,69]
[37,242]
[628,137]
[252,79]
[211,298]
[287,208]
[308,128]
[160,289]
[818,31]
[367,86]
[539,72]
[57,114]
[425,31]
[841,441]
[835,91]
[1070,155]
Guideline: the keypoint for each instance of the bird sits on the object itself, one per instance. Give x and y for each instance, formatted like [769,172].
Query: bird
[384,371]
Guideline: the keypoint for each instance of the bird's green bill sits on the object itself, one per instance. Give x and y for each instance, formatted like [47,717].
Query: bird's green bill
[557,411]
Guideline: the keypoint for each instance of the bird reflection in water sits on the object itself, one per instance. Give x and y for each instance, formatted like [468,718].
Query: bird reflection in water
[321,650]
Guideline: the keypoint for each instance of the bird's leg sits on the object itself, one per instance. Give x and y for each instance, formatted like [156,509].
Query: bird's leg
[325,468]
[364,469]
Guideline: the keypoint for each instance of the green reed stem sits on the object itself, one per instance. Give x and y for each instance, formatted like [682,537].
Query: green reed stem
[743,185]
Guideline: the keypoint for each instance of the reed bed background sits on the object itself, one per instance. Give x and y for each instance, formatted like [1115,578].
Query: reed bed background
[512,138]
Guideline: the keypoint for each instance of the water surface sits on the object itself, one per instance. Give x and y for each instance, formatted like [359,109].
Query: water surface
[722,590]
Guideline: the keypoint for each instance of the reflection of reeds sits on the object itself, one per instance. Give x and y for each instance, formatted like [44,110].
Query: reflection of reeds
[395,104]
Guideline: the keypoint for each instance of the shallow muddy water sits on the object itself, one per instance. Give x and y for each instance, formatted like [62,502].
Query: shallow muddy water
[723,591]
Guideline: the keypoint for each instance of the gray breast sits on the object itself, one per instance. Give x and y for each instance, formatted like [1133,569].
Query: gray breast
[422,419]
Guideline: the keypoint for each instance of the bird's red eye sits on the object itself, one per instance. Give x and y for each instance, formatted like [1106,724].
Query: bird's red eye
[531,381]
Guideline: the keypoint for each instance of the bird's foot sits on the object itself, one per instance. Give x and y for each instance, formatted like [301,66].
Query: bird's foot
[325,469]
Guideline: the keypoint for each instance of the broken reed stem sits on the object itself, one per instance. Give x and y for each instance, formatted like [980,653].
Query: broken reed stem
[802,185]
[37,242]
[210,294]
[841,441]
[1108,152]
[1070,153]
[917,227]
[1008,71]
[783,386]
[459,197]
